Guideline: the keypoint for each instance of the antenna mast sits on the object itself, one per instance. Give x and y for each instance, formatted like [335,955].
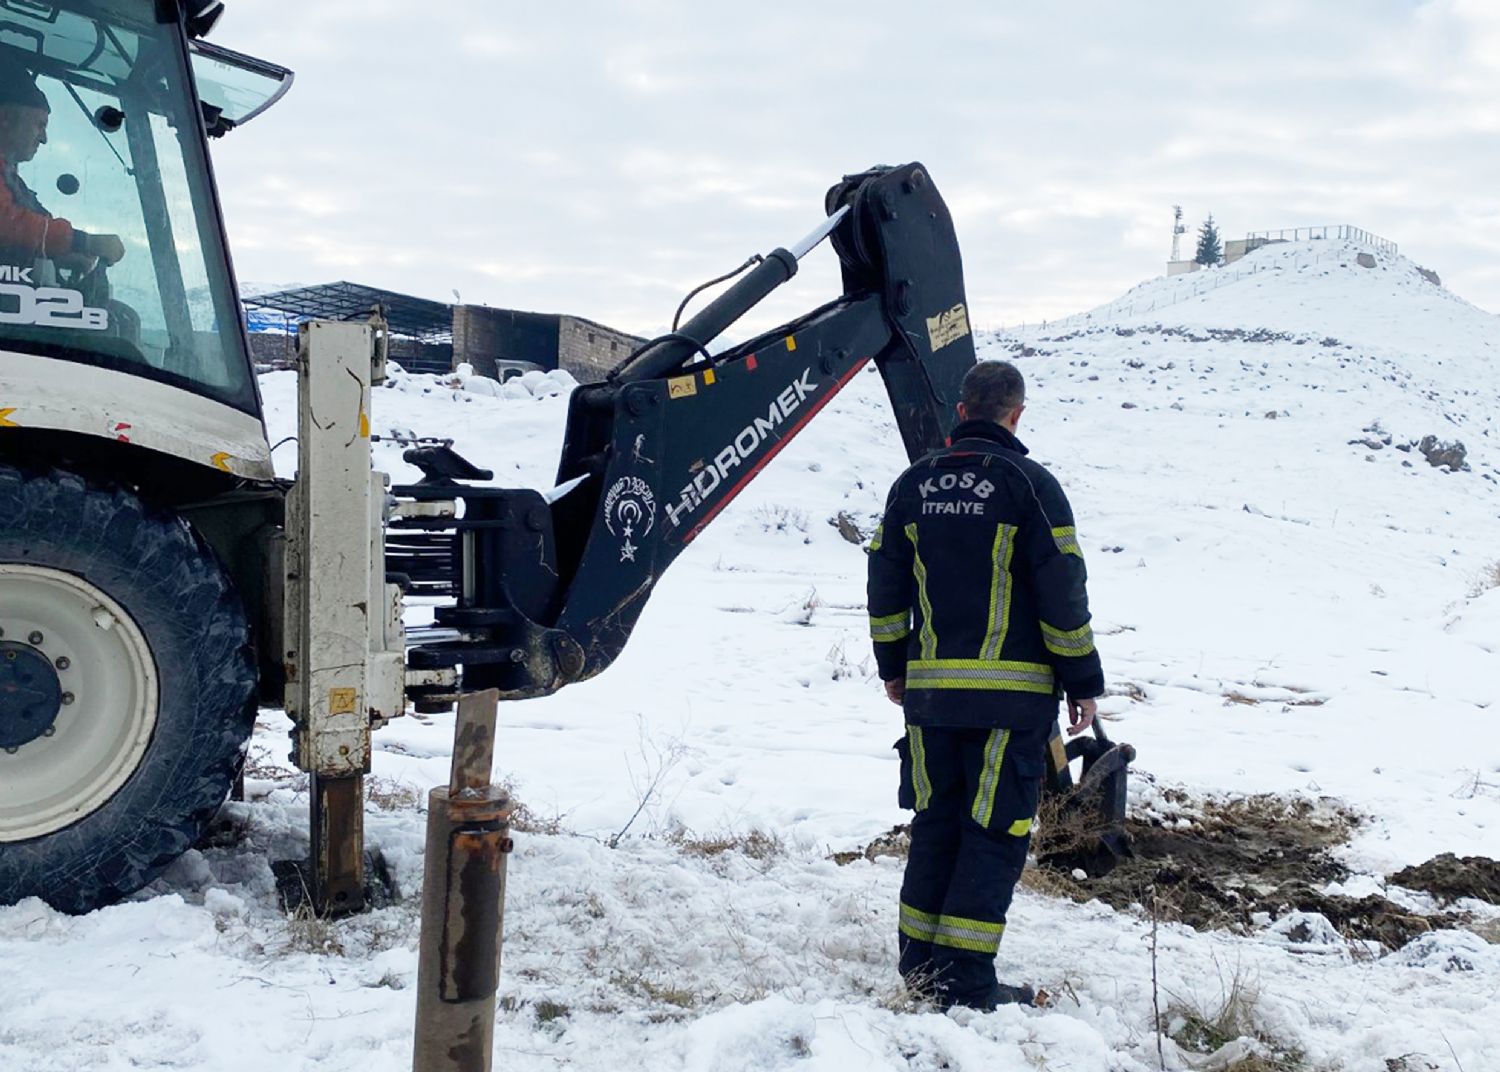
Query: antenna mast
[1178,230]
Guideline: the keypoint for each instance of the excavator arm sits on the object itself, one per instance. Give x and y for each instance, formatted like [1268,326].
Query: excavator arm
[546,589]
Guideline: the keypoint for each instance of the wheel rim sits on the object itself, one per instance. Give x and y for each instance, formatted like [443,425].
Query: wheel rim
[106,709]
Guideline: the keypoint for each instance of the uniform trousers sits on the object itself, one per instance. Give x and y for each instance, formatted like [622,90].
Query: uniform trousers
[975,793]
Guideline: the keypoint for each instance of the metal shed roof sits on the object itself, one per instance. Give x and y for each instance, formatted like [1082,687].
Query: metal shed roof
[416,318]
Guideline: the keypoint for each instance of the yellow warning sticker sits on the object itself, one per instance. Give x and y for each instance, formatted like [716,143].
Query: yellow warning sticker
[342,701]
[364,425]
[708,377]
[5,421]
[791,342]
[948,326]
[682,387]
[221,460]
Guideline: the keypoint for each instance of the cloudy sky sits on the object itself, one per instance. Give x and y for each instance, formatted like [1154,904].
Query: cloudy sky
[602,158]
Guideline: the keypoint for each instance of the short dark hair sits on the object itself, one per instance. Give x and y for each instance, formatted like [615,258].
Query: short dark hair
[992,390]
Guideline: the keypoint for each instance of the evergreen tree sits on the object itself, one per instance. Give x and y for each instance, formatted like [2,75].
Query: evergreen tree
[1210,252]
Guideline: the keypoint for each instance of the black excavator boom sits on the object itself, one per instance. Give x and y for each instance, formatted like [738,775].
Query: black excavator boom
[547,588]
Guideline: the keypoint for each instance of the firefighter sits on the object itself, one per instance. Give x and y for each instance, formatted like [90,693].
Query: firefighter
[980,623]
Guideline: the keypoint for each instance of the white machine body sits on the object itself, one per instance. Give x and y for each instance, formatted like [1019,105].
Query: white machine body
[131,409]
[345,644]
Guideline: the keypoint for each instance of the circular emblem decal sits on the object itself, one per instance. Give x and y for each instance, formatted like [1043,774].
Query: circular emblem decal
[629,510]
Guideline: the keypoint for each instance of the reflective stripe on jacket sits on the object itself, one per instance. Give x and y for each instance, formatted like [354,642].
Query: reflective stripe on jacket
[977,587]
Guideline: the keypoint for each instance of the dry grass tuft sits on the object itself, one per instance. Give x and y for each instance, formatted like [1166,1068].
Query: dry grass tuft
[1060,831]
[1488,578]
[753,844]
[1128,689]
[388,795]
[547,1010]
[1208,1028]
[906,996]
[663,993]
[1234,696]
[1050,883]
[525,821]
[781,519]
[260,765]
[846,668]
[308,932]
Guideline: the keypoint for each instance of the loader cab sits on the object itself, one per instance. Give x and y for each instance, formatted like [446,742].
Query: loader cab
[148,327]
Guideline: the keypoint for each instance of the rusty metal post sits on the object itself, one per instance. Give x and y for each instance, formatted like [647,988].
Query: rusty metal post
[337,812]
[463,901]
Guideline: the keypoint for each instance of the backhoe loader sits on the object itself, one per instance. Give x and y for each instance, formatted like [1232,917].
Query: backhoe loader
[158,583]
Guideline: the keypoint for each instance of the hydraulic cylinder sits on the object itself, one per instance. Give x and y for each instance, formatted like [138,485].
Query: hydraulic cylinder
[463,903]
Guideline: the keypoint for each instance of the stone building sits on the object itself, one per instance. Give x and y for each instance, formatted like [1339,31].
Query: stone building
[500,342]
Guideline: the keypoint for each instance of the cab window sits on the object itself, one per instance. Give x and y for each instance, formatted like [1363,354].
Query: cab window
[111,251]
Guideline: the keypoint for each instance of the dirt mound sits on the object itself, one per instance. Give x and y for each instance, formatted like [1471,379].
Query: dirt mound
[1239,865]
[1449,877]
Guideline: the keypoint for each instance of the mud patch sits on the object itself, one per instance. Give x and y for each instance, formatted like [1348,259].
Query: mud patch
[1449,877]
[1238,865]
[894,842]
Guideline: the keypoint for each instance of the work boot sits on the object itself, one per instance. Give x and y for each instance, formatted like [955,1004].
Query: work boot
[1004,994]
[1000,994]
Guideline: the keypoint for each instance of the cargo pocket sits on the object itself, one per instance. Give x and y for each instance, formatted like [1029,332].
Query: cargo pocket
[1020,790]
[906,793]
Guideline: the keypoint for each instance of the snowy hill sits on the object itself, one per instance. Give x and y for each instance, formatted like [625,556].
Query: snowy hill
[1289,599]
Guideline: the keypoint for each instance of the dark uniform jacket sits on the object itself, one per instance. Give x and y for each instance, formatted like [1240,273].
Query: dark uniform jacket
[976,588]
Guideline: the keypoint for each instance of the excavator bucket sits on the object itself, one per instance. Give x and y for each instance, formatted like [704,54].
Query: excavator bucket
[1083,822]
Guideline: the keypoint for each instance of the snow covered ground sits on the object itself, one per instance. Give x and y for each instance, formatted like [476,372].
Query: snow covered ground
[1280,610]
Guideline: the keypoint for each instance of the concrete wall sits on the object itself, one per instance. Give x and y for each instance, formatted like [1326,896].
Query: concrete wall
[475,338]
[416,356]
[1235,248]
[589,350]
[273,349]
[483,336]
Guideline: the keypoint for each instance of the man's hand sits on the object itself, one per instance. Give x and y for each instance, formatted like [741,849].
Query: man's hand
[1080,715]
[895,690]
[106,247]
[79,264]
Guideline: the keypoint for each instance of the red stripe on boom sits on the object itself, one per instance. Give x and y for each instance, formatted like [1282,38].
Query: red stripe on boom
[775,449]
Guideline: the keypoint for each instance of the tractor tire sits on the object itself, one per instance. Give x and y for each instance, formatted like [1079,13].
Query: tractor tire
[127,689]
